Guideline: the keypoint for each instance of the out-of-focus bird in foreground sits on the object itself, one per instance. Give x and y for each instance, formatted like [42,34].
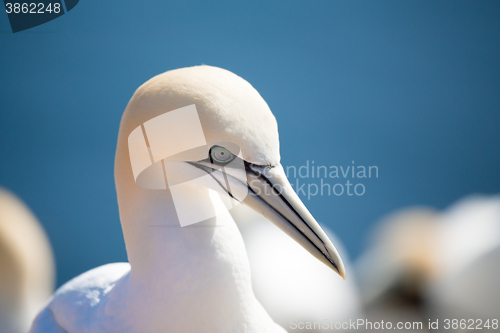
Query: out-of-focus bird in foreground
[26,265]
[194,278]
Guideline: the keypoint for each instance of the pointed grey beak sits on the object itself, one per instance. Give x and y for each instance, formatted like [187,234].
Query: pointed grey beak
[266,190]
[271,195]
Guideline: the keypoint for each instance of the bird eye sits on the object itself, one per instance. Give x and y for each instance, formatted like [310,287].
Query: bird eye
[221,155]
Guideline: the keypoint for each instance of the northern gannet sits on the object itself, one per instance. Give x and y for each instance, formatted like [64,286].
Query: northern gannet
[26,265]
[196,277]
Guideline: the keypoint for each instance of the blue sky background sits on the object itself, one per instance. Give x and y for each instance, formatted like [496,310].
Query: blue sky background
[412,87]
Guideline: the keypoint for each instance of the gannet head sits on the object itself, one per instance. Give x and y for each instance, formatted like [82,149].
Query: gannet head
[211,127]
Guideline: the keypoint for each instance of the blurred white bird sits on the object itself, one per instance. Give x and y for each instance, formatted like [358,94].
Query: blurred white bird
[396,268]
[423,265]
[194,278]
[294,289]
[26,265]
[468,257]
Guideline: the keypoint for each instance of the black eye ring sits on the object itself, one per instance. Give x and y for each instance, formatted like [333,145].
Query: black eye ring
[220,155]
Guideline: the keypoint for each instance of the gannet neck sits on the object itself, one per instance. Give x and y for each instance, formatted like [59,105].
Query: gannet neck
[157,244]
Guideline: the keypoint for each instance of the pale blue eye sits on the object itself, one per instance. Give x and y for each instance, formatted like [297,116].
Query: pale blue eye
[221,155]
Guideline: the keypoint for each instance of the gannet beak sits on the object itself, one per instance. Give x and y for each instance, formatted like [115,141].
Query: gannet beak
[266,190]
[271,195]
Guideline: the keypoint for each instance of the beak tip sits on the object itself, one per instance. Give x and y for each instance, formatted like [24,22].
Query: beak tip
[341,271]
[335,261]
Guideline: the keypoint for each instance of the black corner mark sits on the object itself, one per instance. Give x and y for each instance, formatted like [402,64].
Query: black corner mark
[26,14]
[70,4]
